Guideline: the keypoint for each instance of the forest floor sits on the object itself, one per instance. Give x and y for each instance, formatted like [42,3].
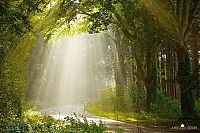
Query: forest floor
[60,112]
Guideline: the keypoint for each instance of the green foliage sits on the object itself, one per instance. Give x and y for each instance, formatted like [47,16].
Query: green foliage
[197,107]
[15,45]
[13,76]
[133,96]
[36,122]
[10,103]
[132,93]
[15,15]
[106,102]
[165,107]
[108,99]
[96,108]
[33,116]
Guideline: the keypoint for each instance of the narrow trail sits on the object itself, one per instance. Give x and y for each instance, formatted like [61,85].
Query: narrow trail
[60,112]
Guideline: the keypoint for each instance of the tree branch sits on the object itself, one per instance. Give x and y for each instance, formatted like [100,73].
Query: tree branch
[166,32]
[173,7]
[139,66]
[192,16]
[119,18]
[184,18]
[178,10]
[85,13]
[131,38]
[124,30]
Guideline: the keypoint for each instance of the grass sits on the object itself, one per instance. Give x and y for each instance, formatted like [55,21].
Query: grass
[126,116]
[164,110]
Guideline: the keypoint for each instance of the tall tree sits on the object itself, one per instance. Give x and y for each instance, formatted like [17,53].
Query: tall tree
[128,17]
[176,18]
[15,22]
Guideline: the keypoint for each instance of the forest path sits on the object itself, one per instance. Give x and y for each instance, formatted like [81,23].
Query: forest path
[60,112]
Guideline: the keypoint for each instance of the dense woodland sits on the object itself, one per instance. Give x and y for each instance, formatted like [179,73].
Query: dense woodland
[157,45]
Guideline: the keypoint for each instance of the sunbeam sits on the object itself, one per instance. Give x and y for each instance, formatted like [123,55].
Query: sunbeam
[73,71]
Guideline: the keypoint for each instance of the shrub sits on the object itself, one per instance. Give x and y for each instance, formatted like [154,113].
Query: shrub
[165,107]
[108,99]
[133,93]
[197,106]
[35,122]
[33,116]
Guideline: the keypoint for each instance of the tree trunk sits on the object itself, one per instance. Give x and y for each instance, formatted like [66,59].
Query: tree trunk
[120,74]
[151,80]
[163,84]
[185,81]
[168,69]
[120,85]
[195,61]
[139,91]
[194,51]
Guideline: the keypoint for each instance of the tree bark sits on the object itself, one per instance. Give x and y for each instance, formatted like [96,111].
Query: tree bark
[163,84]
[139,91]
[120,74]
[151,80]
[185,82]
[195,61]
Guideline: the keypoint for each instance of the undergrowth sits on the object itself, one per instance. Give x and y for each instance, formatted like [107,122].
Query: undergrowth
[35,122]
[164,108]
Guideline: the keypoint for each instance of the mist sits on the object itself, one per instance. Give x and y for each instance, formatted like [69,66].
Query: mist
[71,70]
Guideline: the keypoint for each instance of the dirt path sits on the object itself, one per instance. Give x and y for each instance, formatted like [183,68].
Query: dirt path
[60,112]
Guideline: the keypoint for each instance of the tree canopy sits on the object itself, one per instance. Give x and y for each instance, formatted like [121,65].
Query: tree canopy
[155,43]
